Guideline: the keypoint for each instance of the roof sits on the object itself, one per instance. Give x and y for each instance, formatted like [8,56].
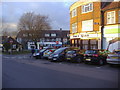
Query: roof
[112,5]
[9,39]
[41,33]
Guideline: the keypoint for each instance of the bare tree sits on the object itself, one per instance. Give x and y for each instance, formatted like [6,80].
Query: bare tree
[34,23]
[5,29]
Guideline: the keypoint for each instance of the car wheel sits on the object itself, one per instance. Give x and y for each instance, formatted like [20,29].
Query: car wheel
[79,60]
[101,62]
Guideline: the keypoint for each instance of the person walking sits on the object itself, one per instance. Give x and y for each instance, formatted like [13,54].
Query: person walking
[32,51]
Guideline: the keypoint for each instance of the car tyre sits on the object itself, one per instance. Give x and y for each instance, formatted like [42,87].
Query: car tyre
[101,62]
[79,60]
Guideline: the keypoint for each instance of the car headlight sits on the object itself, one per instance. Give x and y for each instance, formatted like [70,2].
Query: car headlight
[37,53]
[56,55]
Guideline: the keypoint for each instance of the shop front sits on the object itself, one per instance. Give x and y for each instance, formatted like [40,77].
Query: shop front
[111,37]
[85,40]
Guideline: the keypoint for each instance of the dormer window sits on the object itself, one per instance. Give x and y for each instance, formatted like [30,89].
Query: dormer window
[53,35]
[47,35]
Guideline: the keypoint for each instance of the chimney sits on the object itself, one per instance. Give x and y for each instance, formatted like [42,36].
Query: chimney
[61,29]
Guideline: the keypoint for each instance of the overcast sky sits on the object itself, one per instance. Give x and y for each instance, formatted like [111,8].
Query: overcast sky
[58,12]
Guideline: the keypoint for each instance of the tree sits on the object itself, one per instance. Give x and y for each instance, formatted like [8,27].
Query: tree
[34,23]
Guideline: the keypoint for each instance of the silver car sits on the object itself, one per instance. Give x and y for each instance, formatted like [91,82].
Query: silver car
[114,58]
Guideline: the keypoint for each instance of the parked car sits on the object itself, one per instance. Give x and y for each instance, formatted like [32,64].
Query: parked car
[114,58]
[95,56]
[36,53]
[39,55]
[58,55]
[74,55]
[47,53]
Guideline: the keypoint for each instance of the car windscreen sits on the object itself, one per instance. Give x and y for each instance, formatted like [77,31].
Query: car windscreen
[117,52]
[91,52]
[59,50]
[71,52]
[42,50]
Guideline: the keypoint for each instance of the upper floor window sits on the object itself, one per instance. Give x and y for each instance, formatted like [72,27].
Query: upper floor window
[119,16]
[87,25]
[74,27]
[47,35]
[87,8]
[111,17]
[53,35]
[74,12]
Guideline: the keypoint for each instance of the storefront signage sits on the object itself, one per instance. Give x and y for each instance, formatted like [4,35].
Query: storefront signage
[85,36]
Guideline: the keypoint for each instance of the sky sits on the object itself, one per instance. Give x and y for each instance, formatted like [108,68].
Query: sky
[58,12]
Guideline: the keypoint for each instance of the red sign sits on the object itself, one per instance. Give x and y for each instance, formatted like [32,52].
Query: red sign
[57,42]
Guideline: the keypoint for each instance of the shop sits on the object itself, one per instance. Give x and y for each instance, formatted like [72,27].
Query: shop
[111,37]
[85,40]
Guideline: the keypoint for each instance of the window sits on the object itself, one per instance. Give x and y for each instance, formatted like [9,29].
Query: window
[47,35]
[87,25]
[111,17]
[87,8]
[53,35]
[47,40]
[58,39]
[25,35]
[74,12]
[53,40]
[119,16]
[74,27]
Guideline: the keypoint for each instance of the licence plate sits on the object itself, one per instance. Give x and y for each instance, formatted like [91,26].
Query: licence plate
[115,57]
[54,59]
[68,58]
[88,59]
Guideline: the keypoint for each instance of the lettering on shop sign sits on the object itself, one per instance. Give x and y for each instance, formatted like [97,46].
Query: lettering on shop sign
[76,36]
[84,35]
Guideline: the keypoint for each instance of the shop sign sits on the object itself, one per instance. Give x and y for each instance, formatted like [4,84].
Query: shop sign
[85,36]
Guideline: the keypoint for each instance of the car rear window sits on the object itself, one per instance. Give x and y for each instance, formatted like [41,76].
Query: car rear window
[91,52]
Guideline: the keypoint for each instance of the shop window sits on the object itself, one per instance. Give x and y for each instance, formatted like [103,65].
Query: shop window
[85,42]
[87,8]
[111,17]
[74,28]
[74,12]
[93,41]
[72,41]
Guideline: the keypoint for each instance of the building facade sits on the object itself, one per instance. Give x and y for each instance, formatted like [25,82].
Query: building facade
[85,21]
[95,24]
[111,26]
[44,38]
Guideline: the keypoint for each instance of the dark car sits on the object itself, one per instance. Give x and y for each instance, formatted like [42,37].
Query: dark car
[58,55]
[95,56]
[74,55]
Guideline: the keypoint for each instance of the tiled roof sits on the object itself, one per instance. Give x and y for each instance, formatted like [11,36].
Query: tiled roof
[112,5]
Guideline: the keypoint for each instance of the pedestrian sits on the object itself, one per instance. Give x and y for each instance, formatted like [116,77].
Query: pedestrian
[32,51]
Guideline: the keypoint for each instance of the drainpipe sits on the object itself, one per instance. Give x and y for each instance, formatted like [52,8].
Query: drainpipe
[102,28]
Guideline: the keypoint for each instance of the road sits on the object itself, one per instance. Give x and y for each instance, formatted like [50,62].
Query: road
[21,71]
